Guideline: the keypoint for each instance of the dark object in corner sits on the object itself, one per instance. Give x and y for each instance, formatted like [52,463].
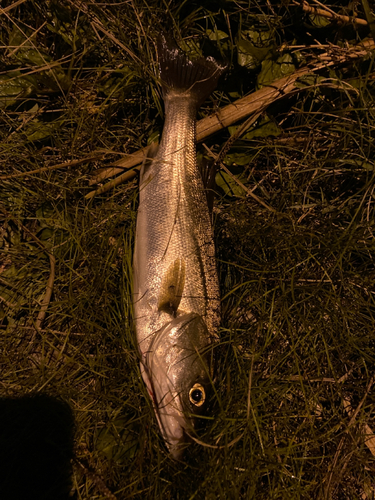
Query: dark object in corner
[36,448]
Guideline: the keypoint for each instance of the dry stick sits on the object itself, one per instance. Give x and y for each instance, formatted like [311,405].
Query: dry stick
[369,16]
[57,332]
[370,441]
[219,120]
[325,7]
[207,126]
[72,163]
[331,15]
[135,159]
[233,113]
[341,444]
[10,7]
[299,378]
[47,296]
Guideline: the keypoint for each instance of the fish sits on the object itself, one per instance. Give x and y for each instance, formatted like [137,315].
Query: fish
[176,293]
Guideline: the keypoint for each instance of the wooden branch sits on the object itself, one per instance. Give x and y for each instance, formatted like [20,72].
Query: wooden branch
[12,6]
[256,102]
[58,166]
[331,15]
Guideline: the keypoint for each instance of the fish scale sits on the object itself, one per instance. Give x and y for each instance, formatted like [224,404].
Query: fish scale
[174,223]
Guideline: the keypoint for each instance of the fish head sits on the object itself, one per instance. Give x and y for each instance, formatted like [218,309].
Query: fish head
[177,375]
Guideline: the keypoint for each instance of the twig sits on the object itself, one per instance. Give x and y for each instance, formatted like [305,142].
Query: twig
[331,15]
[72,163]
[369,16]
[57,332]
[12,6]
[370,440]
[135,159]
[342,441]
[301,378]
[47,296]
[251,104]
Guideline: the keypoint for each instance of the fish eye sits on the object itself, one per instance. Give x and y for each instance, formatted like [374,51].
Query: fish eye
[197,395]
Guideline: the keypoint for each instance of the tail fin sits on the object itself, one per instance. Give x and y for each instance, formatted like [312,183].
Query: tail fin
[179,73]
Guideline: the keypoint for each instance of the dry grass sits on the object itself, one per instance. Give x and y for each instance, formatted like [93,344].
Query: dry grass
[294,409]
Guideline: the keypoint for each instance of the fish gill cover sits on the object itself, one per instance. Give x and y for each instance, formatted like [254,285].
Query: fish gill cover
[293,217]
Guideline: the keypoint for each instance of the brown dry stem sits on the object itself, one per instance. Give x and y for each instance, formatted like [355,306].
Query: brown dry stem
[48,294]
[73,163]
[332,15]
[353,415]
[256,102]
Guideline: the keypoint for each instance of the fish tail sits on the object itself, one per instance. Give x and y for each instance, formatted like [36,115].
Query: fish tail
[178,73]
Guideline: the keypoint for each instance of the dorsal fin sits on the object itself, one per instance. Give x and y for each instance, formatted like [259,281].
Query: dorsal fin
[172,286]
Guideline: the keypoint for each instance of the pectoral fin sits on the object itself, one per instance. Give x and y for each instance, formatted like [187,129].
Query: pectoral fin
[172,287]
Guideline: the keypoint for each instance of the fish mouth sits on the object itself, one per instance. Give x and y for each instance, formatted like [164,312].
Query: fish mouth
[172,423]
[169,415]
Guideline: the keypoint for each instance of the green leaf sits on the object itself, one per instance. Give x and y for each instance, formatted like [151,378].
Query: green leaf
[237,159]
[21,37]
[221,38]
[265,128]
[37,130]
[191,48]
[30,54]
[45,214]
[319,21]
[120,85]
[310,80]
[14,86]
[273,70]
[46,234]
[229,185]
[153,137]
[217,35]
[118,441]
[253,46]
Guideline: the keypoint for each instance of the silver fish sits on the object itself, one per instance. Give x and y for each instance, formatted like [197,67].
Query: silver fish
[176,289]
